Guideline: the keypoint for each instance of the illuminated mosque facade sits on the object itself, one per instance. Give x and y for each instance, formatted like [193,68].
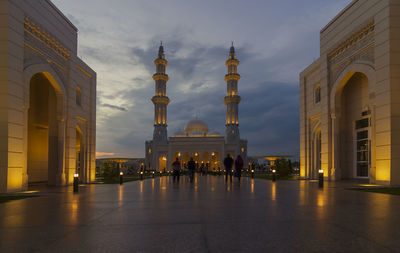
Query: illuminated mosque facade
[196,140]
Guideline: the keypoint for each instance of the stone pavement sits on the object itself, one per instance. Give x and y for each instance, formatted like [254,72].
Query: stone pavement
[156,215]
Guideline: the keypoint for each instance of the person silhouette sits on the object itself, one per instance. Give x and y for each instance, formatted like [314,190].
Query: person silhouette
[228,163]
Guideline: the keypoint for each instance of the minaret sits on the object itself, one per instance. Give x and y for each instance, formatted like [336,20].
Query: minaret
[160,100]
[232,98]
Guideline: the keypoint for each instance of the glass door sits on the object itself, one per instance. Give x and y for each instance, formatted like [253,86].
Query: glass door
[362,148]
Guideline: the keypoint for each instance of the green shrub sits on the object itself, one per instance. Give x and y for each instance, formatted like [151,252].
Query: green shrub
[283,167]
[109,170]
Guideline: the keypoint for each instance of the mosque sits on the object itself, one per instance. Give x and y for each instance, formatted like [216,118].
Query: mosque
[196,141]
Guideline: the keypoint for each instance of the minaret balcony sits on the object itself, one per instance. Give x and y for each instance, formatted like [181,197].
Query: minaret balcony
[161,61]
[232,99]
[160,76]
[232,62]
[160,100]
[232,76]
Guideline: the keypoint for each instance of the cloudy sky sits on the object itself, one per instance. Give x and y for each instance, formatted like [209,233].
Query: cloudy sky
[274,41]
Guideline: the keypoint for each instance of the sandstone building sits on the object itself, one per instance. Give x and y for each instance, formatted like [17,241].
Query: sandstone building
[48,98]
[349,97]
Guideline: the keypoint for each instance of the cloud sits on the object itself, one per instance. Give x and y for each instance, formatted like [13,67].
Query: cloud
[103,154]
[275,40]
[115,107]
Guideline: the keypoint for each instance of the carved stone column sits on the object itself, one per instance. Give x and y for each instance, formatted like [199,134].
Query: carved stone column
[334,173]
[61,180]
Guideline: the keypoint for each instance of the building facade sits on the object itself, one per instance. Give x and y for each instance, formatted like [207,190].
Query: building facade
[48,105]
[349,97]
[196,141]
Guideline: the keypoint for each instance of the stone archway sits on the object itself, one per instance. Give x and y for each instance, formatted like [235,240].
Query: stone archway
[352,122]
[162,163]
[56,86]
[42,131]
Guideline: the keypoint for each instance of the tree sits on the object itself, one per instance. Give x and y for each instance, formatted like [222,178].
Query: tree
[283,167]
[109,170]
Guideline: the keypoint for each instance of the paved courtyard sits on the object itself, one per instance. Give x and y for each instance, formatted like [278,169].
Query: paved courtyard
[156,215]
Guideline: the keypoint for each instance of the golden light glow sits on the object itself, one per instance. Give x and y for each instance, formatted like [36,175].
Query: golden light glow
[273,192]
[76,175]
[100,154]
[121,173]
[28,192]
[383,170]
[321,171]
[160,76]
[161,61]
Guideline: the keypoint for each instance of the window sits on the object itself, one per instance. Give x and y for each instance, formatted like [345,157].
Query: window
[317,95]
[78,97]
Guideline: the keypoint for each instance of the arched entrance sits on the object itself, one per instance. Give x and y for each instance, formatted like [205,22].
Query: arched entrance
[205,160]
[185,159]
[79,154]
[354,127]
[162,163]
[42,161]
[215,161]
[196,159]
[316,153]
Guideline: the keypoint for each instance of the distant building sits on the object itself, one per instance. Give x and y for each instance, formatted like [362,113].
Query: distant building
[196,141]
[349,97]
[48,103]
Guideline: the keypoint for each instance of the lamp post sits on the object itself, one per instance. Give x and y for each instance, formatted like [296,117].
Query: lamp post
[141,175]
[76,182]
[121,177]
[321,178]
[153,173]
[273,175]
[252,173]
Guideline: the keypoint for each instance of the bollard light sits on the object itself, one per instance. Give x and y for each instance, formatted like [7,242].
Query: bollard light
[121,177]
[252,173]
[76,182]
[321,178]
[273,175]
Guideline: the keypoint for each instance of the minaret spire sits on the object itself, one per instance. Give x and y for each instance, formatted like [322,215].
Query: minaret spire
[160,100]
[232,99]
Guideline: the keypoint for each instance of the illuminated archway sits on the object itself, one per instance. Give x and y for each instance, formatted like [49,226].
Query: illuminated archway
[162,163]
[215,163]
[353,127]
[42,146]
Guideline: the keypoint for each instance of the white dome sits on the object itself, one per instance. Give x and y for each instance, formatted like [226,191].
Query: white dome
[196,126]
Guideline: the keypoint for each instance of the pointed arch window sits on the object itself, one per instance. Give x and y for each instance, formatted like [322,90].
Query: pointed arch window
[78,96]
[317,96]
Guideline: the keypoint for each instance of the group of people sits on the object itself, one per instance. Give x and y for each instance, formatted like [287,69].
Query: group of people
[228,163]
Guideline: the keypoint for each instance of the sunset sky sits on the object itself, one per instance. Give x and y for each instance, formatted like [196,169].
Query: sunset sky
[274,40]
